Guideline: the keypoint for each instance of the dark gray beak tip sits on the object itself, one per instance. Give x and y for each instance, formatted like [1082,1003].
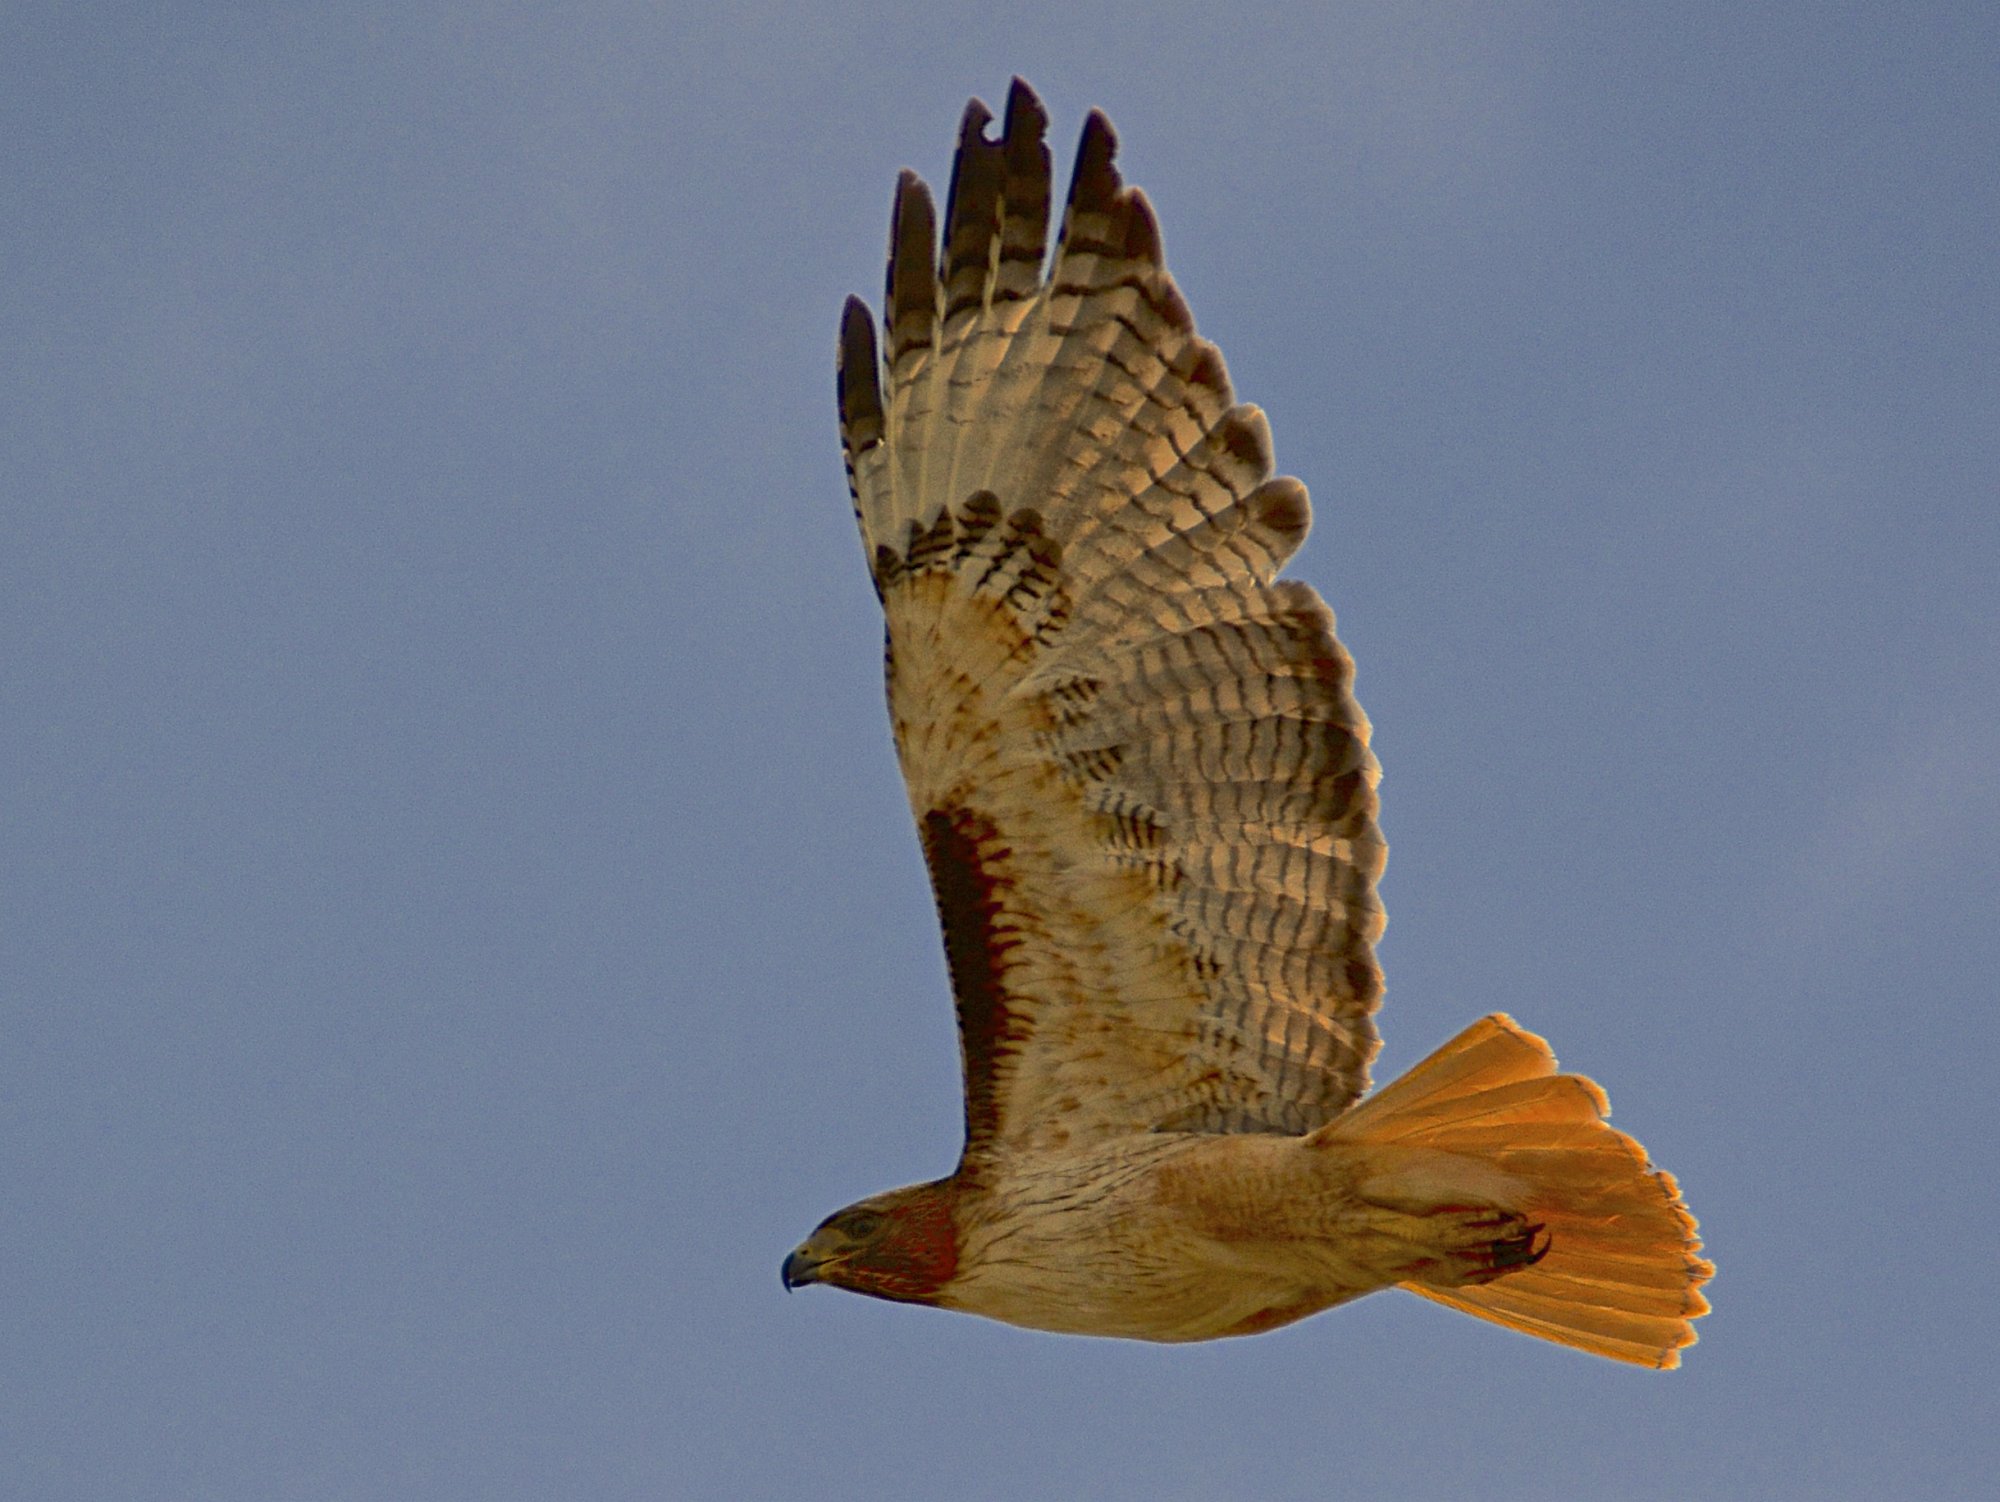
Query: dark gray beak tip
[796,1272]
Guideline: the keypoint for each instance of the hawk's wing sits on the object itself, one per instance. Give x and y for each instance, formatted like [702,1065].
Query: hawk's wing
[1142,784]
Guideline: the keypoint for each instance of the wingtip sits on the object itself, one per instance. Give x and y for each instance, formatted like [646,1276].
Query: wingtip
[1097,127]
[912,280]
[1095,182]
[1025,110]
[972,124]
[857,328]
[857,378]
[1142,230]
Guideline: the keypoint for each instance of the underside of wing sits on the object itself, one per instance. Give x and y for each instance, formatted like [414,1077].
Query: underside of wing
[1142,782]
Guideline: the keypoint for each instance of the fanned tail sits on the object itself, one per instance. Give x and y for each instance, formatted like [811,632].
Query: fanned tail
[1621,1276]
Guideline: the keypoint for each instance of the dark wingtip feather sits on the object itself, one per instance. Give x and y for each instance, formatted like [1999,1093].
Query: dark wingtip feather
[1024,227]
[996,212]
[911,308]
[1095,183]
[858,377]
[972,144]
[1142,229]
[972,210]
[972,124]
[1104,216]
[858,388]
[1025,113]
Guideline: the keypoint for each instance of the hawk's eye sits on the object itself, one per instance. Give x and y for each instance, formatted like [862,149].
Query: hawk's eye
[862,1226]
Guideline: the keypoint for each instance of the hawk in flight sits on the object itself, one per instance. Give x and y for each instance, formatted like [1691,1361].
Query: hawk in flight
[1146,797]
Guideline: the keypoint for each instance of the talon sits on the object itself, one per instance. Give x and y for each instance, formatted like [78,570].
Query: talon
[1520,1250]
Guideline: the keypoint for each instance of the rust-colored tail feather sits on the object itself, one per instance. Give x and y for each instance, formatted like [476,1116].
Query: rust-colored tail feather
[1623,1273]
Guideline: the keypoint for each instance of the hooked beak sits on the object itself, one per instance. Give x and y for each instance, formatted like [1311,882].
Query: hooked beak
[801,1268]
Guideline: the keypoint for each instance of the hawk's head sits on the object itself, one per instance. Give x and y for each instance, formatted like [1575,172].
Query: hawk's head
[901,1245]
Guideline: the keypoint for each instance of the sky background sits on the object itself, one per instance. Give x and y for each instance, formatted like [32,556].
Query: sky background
[459,919]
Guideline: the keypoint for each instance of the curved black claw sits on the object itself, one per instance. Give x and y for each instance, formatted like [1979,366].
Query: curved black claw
[1520,1250]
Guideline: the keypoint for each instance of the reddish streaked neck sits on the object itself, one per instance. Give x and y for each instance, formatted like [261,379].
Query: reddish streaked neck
[918,1255]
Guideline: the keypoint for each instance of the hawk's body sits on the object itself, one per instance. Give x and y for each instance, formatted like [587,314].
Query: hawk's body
[1147,801]
[1193,1236]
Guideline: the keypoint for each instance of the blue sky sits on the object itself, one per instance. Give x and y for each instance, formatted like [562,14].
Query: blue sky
[463,923]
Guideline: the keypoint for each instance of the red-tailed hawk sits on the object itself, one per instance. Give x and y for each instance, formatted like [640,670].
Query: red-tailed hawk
[1146,796]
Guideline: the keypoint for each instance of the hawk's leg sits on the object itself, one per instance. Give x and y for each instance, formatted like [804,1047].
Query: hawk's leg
[1477,1243]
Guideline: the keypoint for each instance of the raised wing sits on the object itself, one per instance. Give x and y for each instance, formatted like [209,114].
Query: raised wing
[1142,784]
